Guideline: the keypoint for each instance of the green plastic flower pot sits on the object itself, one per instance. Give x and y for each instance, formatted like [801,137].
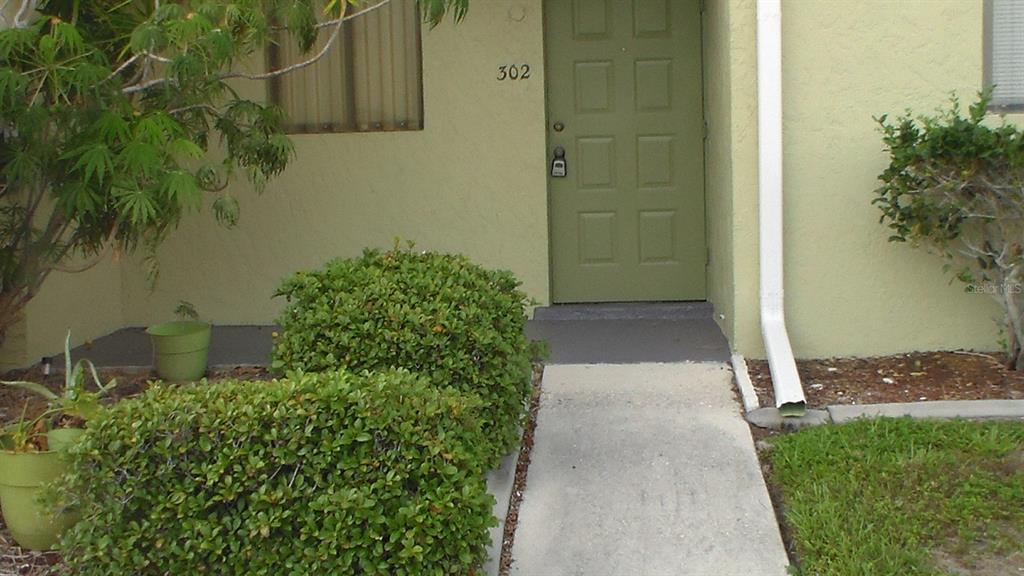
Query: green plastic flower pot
[22,475]
[180,349]
[60,439]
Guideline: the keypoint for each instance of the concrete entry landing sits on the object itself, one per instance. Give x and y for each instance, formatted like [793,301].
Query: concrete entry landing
[644,469]
[130,347]
[629,333]
[607,333]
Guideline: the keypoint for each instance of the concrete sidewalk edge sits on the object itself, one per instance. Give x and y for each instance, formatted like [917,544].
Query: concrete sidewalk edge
[500,483]
[769,417]
[945,409]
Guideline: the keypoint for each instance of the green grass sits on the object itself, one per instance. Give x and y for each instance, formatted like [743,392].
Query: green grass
[877,497]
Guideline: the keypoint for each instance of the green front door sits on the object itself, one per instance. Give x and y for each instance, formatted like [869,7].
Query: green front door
[624,103]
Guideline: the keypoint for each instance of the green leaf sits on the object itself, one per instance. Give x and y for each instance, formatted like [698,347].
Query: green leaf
[140,158]
[12,87]
[67,37]
[148,37]
[33,387]
[186,147]
[94,161]
[157,128]
[180,187]
[136,205]
[226,210]
[112,128]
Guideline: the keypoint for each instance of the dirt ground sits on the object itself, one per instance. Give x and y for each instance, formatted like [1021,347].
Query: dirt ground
[522,469]
[14,400]
[913,377]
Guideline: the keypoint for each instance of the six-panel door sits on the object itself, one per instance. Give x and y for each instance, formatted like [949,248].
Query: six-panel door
[624,83]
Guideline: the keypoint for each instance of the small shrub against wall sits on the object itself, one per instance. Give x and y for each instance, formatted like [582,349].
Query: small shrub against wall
[439,315]
[955,185]
[325,473]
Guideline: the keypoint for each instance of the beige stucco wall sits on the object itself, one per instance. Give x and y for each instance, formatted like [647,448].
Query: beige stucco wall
[849,291]
[473,181]
[87,303]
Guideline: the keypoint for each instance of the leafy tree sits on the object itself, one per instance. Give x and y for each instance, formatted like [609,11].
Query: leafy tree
[956,187]
[109,110]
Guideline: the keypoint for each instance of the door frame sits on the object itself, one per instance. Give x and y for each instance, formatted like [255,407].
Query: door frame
[545,33]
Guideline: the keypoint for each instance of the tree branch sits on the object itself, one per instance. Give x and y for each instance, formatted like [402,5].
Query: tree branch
[343,18]
[293,67]
[26,6]
[83,266]
[209,108]
[145,85]
[146,56]
[335,23]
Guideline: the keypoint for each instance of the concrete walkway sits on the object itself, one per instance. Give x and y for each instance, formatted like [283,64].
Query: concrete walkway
[645,469]
[641,463]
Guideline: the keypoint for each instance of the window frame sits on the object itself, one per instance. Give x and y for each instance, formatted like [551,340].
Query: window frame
[346,38]
[987,48]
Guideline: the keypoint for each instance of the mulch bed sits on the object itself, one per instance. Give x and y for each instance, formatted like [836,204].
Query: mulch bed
[519,483]
[14,561]
[913,377]
[129,383]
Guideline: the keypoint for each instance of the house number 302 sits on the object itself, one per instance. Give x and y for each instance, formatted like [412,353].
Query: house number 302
[514,72]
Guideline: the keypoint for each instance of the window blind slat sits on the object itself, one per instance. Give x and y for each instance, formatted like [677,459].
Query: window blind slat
[398,84]
[413,70]
[1007,57]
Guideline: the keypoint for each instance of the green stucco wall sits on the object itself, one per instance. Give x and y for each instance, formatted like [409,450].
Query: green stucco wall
[473,181]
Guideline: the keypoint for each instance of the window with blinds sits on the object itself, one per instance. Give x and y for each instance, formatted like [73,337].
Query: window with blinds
[1004,51]
[370,80]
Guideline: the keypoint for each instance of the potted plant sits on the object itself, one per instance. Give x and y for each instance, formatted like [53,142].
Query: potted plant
[181,347]
[30,458]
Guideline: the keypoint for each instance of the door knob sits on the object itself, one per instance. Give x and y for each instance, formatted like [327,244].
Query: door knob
[558,126]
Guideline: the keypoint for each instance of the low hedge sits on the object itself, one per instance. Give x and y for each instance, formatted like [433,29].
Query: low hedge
[436,314]
[318,474]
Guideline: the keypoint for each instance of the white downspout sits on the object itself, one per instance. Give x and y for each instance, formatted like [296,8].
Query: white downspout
[789,394]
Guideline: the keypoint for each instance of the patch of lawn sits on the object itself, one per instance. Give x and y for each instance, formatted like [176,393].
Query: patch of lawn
[899,497]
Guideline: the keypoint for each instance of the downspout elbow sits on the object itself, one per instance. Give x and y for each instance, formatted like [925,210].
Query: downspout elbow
[789,392]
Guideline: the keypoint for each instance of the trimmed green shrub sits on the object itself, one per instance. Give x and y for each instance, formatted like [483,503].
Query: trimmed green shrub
[955,186]
[436,314]
[319,474]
